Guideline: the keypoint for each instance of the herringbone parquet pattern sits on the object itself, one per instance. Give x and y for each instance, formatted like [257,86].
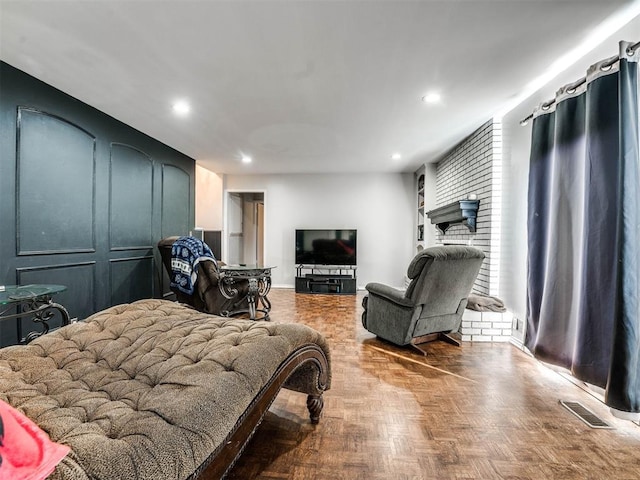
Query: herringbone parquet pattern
[481,411]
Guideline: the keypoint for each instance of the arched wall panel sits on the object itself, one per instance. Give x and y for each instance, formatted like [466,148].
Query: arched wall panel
[55,179]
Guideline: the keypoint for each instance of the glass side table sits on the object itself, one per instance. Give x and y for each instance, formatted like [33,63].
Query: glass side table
[259,278]
[32,301]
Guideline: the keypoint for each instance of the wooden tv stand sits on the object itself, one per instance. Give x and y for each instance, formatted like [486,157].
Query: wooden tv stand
[324,279]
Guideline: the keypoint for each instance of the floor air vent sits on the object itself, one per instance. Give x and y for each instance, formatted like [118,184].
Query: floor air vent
[584,414]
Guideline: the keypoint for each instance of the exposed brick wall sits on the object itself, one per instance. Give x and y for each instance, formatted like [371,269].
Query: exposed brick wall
[474,166]
[486,326]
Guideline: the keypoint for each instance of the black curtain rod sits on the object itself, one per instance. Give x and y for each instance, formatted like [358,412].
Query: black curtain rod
[572,87]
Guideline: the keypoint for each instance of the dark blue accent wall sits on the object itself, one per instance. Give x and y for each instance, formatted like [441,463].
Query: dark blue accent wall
[84,199]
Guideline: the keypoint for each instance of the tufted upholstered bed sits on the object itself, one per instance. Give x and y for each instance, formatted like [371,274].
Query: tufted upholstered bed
[156,390]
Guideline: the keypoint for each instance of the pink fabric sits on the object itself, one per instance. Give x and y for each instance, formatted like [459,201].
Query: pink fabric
[26,450]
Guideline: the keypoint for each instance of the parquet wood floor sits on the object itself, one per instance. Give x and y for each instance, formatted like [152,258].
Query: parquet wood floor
[480,411]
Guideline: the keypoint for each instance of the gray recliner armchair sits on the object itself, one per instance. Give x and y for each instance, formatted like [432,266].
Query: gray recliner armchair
[432,306]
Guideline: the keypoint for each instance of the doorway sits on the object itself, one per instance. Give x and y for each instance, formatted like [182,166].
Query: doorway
[244,238]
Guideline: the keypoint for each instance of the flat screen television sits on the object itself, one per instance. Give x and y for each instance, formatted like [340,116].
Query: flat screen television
[326,247]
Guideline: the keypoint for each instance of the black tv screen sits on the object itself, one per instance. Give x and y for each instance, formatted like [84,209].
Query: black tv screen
[326,247]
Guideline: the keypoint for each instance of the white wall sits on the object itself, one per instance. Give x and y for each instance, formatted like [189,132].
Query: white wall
[516,143]
[380,206]
[208,199]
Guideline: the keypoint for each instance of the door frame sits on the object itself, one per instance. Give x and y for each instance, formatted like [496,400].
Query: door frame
[225,219]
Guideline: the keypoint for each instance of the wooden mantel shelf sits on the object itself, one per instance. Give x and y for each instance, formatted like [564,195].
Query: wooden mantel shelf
[461,211]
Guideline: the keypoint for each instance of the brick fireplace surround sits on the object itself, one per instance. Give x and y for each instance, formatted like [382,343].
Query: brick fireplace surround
[474,166]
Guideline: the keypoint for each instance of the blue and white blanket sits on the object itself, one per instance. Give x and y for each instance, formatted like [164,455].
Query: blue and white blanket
[186,254]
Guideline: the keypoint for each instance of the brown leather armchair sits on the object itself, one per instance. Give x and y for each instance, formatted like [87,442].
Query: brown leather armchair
[207,296]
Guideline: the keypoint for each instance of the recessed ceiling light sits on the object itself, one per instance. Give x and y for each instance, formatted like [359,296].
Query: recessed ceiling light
[181,108]
[246,159]
[396,156]
[432,97]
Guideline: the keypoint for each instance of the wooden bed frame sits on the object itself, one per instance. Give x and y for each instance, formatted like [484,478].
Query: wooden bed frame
[221,461]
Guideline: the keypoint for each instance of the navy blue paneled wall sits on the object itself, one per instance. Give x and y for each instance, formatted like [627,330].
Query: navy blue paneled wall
[84,199]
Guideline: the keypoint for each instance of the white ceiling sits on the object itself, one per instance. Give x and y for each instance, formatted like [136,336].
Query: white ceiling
[300,86]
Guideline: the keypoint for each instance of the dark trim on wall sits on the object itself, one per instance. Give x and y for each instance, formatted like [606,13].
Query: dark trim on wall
[82,194]
[19,131]
[111,218]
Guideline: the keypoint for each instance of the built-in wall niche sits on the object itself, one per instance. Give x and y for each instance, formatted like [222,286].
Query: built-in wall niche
[421,208]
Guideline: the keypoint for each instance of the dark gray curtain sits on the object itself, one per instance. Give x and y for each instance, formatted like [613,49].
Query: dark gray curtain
[583,288]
